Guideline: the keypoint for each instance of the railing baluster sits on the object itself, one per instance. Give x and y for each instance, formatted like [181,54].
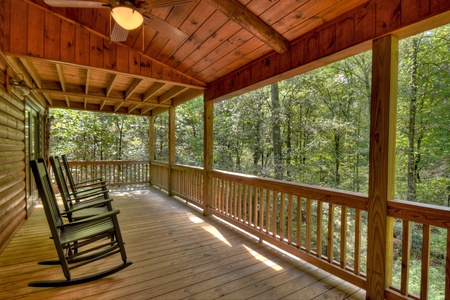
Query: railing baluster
[262,192]
[308,225]
[447,267]
[406,240]
[235,199]
[255,207]
[357,254]
[290,216]
[274,213]
[240,188]
[250,205]
[244,203]
[425,262]
[282,221]
[267,212]
[330,245]
[299,221]
[319,230]
[343,257]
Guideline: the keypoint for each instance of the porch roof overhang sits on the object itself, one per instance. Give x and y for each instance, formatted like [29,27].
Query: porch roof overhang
[67,58]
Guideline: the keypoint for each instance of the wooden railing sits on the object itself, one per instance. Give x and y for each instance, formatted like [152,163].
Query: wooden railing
[116,173]
[427,217]
[322,226]
[325,227]
[159,174]
[187,183]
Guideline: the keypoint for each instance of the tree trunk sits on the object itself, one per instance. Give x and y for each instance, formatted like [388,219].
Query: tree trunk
[412,165]
[276,132]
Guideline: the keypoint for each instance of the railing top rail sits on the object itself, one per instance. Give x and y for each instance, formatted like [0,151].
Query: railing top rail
[339,197]
[108,162]
[428,214]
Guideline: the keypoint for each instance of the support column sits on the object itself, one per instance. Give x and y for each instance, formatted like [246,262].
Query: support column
[151,143]
[171,148]
[383,112]
[208,160]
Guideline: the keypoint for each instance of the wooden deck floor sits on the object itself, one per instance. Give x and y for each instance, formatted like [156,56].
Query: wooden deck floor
[177,253]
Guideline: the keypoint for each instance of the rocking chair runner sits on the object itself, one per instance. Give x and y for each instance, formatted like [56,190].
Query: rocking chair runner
[80,242]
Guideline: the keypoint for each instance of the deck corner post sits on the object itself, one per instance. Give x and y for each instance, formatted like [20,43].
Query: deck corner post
[171,149]
[151,144]
[383,112]
[208,160]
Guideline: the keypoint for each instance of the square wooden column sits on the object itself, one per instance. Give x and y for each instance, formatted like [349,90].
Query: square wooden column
[151,143]
[383,112]
[208,156]
[171,148]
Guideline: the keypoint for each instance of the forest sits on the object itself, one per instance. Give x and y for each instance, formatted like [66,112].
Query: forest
[312,128]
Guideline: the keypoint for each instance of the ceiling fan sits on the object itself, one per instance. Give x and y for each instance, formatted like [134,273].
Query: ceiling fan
[130,14]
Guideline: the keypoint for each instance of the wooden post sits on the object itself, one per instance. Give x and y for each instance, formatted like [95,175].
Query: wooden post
[382,164]
[151,144]
[208,162]
[171,148]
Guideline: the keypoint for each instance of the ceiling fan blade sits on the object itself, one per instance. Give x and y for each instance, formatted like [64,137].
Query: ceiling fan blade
[77,3]
[165,28]
[162,3]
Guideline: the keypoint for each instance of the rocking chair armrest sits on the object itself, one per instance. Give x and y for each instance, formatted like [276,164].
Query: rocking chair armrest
[90,219]
[91,185]
[91,193]
[91,181]
[89,204]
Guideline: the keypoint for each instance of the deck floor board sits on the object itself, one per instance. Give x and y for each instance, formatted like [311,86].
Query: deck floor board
[177,254]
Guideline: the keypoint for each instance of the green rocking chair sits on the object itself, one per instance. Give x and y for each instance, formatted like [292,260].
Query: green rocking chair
[81,242]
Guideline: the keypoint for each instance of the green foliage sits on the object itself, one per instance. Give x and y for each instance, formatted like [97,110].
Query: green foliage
[189,133]
[161,137]
[91,136]
[324,128]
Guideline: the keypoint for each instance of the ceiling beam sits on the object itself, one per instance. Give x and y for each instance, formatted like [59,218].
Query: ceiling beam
[152,90]
[111,83]
[61,77]
[88,79]
[245,18]
[98,97]
[133,86]
[146,109]
[173,92]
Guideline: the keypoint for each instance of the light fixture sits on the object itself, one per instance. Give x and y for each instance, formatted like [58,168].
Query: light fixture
[127,17]
[19,85]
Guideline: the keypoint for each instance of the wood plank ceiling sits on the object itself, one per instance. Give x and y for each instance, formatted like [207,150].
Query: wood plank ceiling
[220,37]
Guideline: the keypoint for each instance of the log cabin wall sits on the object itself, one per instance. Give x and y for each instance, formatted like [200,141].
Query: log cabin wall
[12,163]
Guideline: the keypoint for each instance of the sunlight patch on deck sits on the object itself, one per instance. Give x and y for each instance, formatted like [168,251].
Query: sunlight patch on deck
[263,259]
[209,228]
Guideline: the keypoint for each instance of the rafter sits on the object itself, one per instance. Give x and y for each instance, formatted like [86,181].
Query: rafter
[62,80]
[133,86]
[173,92]
[245,18]
[147,109]
[32,71]
[117,106]
[111,83]
[88,78]
[152,90]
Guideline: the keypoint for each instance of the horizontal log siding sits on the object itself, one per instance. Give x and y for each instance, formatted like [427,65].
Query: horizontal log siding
[12,166]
